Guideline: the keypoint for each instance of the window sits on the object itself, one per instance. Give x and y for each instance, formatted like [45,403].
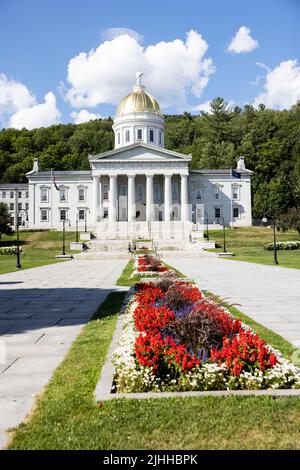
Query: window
[81,213]
[156,192]
[105,191]
[119,138]
[151,135]
[4,194]
[27,206]
[123,190]
[19,206]
[236,212]
[217,212]
[139,134]
[44,194]
[63,214]
[27,194]
[175,191]
[105,214]
[11,195]
[160,138]
[140,192]
[236,192]
[11,206]
[12,221]
[44,215]
[81,194]
[62,194]
[19,194]
[217,192]
[127,136]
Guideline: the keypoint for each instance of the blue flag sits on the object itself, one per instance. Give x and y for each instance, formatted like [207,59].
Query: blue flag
[236,174]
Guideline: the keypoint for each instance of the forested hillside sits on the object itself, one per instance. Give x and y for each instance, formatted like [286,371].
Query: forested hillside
[269,140]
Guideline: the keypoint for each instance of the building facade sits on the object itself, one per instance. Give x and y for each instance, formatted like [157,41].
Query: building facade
[140,188]
[16,197]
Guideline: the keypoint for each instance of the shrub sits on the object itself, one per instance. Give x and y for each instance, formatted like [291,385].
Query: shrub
[9,250]
[289,245]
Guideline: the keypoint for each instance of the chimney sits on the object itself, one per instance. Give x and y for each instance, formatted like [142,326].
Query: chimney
[36,165]
[240,163]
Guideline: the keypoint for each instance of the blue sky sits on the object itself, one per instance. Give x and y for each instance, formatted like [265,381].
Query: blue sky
[38,39]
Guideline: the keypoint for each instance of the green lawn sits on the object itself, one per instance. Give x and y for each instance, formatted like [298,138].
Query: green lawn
[39,248]
[248,243]
[67,417]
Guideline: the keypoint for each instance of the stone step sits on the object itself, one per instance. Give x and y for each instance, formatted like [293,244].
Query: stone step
[91,255]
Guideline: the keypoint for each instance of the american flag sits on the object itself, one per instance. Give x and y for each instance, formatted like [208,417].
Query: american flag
[54,180]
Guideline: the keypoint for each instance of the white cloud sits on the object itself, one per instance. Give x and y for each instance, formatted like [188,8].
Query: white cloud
[242,41]
[112,33]
[13,96]
[282,86]
[203,107]
[171,69]
[84,116]
[38,115]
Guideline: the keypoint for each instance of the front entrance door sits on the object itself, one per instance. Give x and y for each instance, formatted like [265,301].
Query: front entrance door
[123,212]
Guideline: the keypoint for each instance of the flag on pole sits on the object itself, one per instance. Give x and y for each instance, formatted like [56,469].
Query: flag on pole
[54,180]
[235,174]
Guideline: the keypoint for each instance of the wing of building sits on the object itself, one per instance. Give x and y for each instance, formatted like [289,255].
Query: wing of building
[140,188]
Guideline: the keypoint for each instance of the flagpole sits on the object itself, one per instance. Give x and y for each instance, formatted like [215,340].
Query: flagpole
[231,205]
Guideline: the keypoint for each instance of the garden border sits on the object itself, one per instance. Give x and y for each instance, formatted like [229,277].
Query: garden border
[104,385]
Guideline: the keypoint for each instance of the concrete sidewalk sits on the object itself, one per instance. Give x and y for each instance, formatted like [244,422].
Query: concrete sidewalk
[269,294]
[42,310]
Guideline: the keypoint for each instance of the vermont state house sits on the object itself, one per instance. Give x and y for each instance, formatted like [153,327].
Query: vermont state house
[139,189]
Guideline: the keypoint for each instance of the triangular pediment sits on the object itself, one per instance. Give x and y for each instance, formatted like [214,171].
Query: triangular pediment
[140,152]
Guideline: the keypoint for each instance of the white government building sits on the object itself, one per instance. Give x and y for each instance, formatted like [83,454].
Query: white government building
[140,189]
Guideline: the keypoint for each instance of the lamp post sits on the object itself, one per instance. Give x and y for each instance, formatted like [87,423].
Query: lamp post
[85,218]
[20,211]
[224,236]
[264,221]
[77,218]
[207,235]
[63,240]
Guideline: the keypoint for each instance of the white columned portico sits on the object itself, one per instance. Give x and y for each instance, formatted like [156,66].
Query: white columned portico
[149,197]
[131,198]
[168,198]
[112,209]
[96,188]
[184,198]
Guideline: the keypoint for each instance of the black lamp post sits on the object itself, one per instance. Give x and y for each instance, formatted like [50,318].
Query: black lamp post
[63,240]
[77,218]
[275,258]
[85,218]
[224,236]
[20,211]
[207,235]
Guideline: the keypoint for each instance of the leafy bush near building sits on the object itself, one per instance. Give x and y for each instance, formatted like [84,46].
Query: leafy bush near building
[9,250]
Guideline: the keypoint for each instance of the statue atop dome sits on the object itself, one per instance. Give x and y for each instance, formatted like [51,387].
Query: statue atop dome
[138,77]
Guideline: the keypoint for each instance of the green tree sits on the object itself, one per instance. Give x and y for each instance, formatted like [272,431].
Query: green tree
[4,220]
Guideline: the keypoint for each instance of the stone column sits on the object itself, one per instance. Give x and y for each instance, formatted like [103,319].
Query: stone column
[184,198]
[131,198]
[149,197]
[168,197]
[96,198]
[100,212]
[112,210]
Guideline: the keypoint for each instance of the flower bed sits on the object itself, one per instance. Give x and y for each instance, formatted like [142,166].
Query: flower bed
[175,339]
[291,245]
[148,266]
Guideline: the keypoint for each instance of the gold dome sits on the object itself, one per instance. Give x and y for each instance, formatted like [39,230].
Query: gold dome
[138,101]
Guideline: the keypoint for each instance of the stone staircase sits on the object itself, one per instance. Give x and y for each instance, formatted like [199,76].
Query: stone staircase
[105,249]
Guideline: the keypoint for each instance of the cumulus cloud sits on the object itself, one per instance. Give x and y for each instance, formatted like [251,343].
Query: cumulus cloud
[171,69]
[38,115]
[84,116]
[112,33]
[282,86]
[242,41]
[13,96]
[203,107]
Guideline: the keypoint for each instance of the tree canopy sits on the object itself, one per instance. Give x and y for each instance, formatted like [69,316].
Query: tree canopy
[268,139]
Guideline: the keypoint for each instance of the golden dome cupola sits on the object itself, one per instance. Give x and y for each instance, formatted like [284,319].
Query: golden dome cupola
[139,118]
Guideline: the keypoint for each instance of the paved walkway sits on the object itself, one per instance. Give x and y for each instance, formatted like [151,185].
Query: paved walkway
[269,294]
[41,312]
